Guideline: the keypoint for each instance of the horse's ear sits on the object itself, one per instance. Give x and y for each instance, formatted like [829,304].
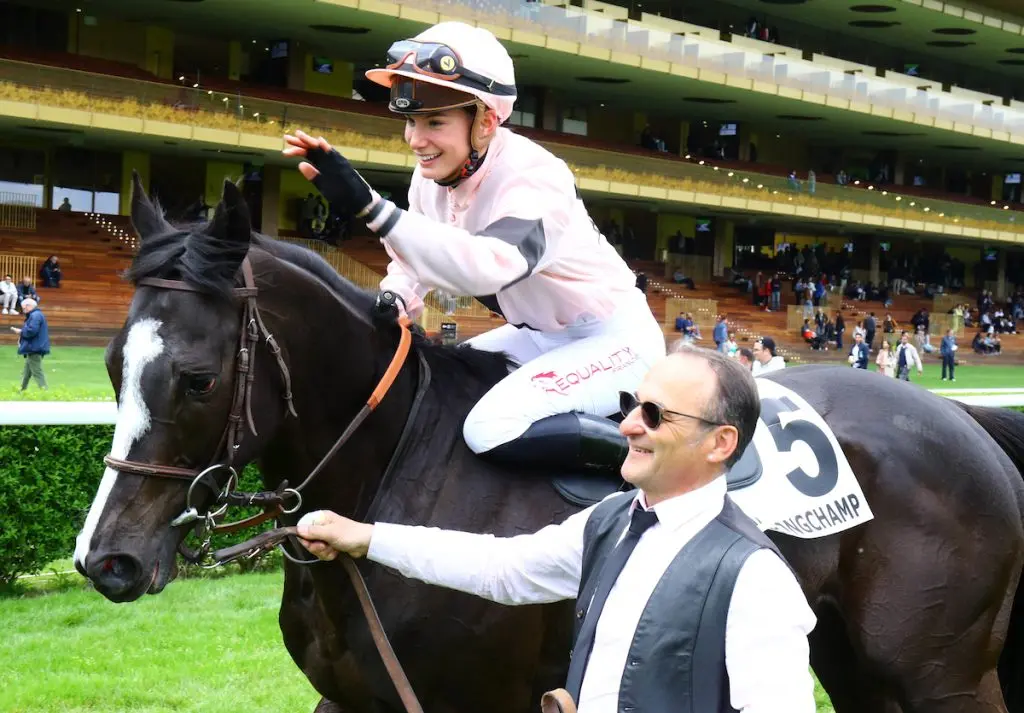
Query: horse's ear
[231,220]
[145,216]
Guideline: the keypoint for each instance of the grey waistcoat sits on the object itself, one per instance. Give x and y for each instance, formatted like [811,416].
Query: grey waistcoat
[676,662]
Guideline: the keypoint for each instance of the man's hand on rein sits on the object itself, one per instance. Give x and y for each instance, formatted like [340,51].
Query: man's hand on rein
[325,534]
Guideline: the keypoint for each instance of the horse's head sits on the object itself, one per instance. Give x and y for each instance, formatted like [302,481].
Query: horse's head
[173,369]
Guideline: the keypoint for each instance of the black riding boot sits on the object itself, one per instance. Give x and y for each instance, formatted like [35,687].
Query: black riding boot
[570,442]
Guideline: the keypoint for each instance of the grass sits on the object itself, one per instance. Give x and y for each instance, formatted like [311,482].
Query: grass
[203,645]
[72,373]
[78,374]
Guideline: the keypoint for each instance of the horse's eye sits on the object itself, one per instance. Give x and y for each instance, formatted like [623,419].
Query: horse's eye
[200,384]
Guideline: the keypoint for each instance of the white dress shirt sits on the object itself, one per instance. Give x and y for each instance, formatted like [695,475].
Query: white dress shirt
[766,647]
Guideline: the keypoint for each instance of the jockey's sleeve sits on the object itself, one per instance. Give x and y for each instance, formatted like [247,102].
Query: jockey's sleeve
[516,244]
[527,569]
[402,280]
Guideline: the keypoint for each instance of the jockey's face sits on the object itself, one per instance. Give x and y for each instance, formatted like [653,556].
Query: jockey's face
[682,453]
[440,142]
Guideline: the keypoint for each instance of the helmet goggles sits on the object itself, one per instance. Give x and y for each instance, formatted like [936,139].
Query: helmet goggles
[439,61]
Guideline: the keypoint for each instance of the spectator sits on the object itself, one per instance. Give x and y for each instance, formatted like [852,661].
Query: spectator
[889,325]
[812,182]
[641,282]
[840,329]
[731,347]
[745,357]
[65,207]
[948,351]
[721,333]
[776,288]
[680,278]
[870,325]
[50,272]
[859,352]
[681,323]
[765,359]
[9,295]
[907,356]
[33,343]
[885,361]
[27,291]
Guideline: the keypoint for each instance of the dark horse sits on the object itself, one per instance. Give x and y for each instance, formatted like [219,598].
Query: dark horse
[916,609]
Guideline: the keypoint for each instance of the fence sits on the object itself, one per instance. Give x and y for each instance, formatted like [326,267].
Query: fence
[17,211]
[361,275]
[18,266]
[703,311]
[78,413]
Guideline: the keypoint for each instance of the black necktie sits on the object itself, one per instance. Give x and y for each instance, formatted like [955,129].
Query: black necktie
[640,521]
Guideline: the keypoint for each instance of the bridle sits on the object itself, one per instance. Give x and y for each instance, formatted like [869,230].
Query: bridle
[272,502]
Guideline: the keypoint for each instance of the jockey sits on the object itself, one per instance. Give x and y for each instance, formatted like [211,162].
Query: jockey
[495,216]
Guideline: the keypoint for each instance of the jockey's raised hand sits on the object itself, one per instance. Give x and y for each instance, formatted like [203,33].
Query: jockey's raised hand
[331,173]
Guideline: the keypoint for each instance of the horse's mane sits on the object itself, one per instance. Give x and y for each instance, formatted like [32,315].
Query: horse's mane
[187,252]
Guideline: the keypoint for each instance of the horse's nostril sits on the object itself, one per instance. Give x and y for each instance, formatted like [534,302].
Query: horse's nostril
[115,575]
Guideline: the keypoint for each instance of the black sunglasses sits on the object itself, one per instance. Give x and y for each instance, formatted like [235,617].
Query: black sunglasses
[653,414]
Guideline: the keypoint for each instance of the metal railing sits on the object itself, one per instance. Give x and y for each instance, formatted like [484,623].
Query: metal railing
[18,266]
[362,276]
[17,211]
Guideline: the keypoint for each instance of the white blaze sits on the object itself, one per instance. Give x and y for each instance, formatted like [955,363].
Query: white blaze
[142,346]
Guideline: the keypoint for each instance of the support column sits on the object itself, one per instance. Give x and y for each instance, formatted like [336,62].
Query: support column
[876,252]
[725,245]
[271,200]
[235,60]
[549,111]
[1001,275]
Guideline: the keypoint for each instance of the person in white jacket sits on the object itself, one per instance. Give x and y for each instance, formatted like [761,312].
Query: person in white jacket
[765,359]
[907,356]
[496,216]
[8,295]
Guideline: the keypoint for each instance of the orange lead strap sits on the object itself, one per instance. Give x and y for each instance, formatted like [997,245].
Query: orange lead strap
[395,366]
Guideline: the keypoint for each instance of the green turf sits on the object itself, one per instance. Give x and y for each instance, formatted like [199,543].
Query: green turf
[73,374]
[203,645]
[78,374]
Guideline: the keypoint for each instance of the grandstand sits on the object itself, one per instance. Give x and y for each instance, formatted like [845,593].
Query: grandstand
[917,166]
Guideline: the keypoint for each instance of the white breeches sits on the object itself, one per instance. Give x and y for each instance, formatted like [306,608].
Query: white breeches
[9,300]
[580,369]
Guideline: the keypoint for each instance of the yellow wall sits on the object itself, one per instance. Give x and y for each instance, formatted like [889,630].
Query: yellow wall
[159,58]
[785,151]
[293,187]
[108,39]
[234,60]
[216,173]
[668,224]
[338,84]
[132,161]
[605,124]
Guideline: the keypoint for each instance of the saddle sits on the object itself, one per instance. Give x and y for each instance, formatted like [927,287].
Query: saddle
[586,489]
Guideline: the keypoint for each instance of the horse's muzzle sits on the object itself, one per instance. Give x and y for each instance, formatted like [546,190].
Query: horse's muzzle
[116,576]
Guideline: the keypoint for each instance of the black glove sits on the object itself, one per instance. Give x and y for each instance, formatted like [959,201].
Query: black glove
[386,312]
[339,183]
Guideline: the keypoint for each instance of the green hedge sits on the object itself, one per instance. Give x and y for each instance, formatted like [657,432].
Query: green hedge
[48,477]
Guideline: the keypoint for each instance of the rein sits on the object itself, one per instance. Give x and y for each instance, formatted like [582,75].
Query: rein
[273,502]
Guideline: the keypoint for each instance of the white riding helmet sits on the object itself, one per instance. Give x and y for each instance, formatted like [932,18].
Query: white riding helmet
[437,69]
